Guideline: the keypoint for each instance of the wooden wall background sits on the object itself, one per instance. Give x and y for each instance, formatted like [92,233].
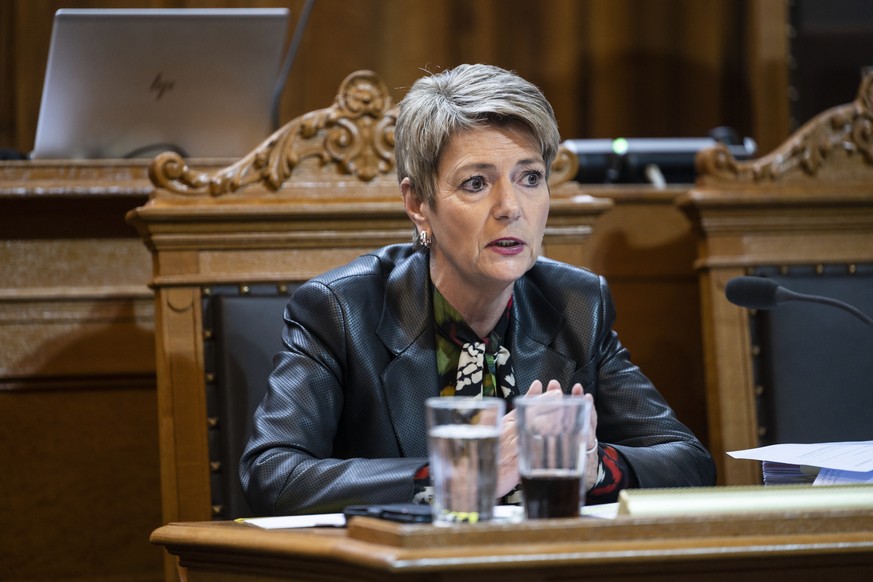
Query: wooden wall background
[78,421]
[611,68]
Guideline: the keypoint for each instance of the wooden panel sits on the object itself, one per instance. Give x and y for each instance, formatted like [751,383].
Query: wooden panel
[80,488]
[645,248]
[768,71]
[78,418]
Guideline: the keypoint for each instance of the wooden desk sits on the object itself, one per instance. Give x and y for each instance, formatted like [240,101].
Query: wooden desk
[793,546]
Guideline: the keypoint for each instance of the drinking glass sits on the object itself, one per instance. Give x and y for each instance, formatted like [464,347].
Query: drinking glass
[552,440]
[463,437]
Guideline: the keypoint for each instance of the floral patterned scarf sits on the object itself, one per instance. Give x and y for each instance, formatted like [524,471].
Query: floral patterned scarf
[467,364]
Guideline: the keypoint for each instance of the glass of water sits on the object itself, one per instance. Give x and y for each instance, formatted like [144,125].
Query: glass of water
[463,439]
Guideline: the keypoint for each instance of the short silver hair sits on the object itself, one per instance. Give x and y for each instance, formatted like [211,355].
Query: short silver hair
[440,106]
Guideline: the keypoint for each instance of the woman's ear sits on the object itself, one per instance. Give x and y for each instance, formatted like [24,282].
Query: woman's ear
[415,207]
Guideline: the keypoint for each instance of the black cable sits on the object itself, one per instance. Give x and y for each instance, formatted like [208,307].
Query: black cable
[289,61]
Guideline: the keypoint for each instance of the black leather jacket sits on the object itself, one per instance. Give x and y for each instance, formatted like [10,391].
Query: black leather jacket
[343,419]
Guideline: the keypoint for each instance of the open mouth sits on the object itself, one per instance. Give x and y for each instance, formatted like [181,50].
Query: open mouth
[506,243]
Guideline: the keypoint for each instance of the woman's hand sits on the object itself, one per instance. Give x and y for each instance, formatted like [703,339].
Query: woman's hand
[592,461]
[507,468]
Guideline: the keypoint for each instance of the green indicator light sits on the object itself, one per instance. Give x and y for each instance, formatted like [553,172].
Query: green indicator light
[619,146]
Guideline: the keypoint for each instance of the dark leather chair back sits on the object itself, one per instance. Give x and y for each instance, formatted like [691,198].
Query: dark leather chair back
[242,332]
[813,364]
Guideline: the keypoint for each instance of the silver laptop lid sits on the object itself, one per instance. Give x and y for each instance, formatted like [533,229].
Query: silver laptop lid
[134,82]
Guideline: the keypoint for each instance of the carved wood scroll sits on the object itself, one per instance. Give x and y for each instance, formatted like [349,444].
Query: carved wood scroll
[846,129]
[353,137]
[356,134]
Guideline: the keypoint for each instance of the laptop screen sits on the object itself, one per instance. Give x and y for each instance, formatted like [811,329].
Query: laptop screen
[134,82]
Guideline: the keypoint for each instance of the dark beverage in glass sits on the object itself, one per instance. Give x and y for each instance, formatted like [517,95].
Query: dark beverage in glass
[551,493]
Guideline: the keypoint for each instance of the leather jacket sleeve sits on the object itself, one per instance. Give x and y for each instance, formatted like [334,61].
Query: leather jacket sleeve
[322,438]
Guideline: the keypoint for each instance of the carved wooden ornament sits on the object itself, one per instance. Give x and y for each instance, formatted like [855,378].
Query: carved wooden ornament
[846,128]
[356,134]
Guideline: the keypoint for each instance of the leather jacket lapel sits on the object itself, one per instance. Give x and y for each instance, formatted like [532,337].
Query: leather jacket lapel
[535,323]
[407,332]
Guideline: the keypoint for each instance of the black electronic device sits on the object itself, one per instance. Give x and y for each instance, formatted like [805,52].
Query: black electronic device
[400,512]
[658,161]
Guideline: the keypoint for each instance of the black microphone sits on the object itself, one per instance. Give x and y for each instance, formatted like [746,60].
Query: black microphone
[763,293]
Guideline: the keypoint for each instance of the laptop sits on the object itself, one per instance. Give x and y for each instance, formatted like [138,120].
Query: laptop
[124,83]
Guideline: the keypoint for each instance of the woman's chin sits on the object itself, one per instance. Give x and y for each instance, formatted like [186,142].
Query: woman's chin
[509,273]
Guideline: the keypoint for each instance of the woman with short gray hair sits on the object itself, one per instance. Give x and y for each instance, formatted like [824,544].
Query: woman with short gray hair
[470,309]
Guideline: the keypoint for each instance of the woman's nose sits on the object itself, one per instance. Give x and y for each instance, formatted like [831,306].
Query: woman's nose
[506,204]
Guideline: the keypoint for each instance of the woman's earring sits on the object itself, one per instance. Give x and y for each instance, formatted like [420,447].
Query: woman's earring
[423,239]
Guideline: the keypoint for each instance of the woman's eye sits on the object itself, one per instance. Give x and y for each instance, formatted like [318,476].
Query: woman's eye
[474,183]
[532,178]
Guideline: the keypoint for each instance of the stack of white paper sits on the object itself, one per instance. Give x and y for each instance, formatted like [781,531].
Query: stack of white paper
[788,473]
[835,463]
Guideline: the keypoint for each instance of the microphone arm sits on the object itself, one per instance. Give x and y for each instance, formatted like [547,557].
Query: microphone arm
[784,295]
[763,293]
